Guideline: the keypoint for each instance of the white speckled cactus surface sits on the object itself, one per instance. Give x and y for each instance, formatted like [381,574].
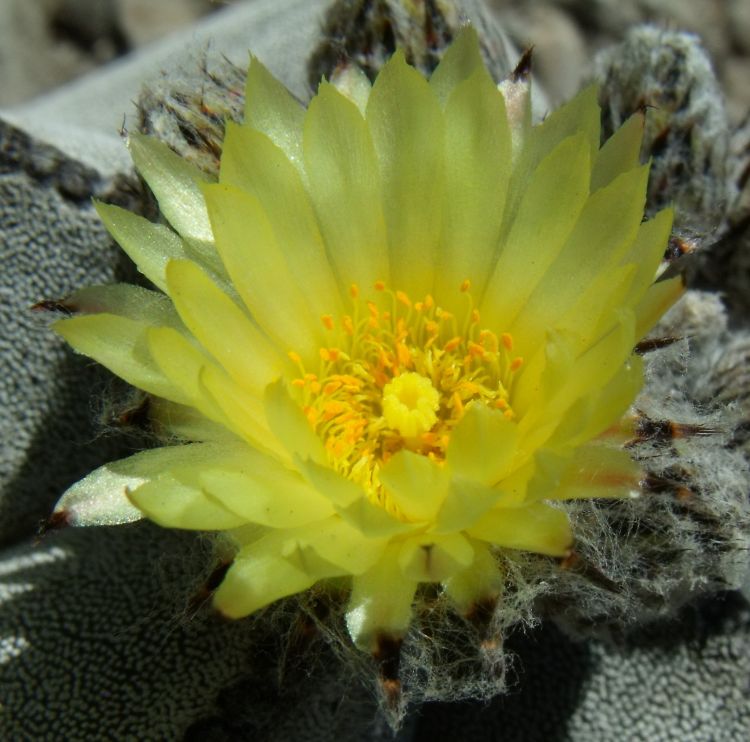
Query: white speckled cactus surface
[412,402]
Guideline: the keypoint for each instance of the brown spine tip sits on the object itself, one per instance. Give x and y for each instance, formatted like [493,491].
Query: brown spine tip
[57,306]
[387,654]
[58,520]
[203,594]
[651,344]
[523,68]
[664,431]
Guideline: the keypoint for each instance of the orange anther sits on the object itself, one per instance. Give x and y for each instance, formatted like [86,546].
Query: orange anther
[507,339]
[475,349]
[379,285]
[374,311]
[509,414]
[403,298]
[354,291]
[348,324]
[327,321]
[465,285]
[452,344]
[298,382]
[516,363]
[475,316]
[501,404]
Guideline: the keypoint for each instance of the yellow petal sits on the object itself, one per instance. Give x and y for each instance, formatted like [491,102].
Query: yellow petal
[434,558]
[221,326]
[252,162]
[459,62]
[351,502]
[344,185]
[415,483]
[477,168]
[380,602]
[484,430]
[481,581]
[173,503]
[271,109]
[407,129]
[289,424]
[260,575]
[607,227]
[150,246]
[258,268]
[351,81]
[265,492]
[537,528]
[547,214]
[121,345]
[465,503]
[620,153]
[647,252]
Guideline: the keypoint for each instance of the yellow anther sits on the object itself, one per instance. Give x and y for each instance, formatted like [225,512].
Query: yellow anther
[379,285]
[294,357]
[327,321]
[403,298]
[331,387]
[509,414]
[354,291]
[475,317]
[507,339]
[429,302]
[465,285]
[516,363]
[299,382]
[348,324]
[501,404]
[373,309]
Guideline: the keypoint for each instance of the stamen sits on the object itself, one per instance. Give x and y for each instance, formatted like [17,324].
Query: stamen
[327,321]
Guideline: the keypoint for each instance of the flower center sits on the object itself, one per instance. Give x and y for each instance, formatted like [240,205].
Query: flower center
[410,402]
[398,375]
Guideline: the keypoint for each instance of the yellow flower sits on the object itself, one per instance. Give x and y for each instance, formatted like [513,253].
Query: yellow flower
[391,339]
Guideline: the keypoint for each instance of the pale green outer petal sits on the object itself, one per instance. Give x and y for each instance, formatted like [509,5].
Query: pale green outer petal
[256,264]
[186,423]
[260,575]
[222,327]
[150,246]
[344,185]
[380,602]
[351,502]
[407,128]
[620,153]
[416,484]
[597,470]
[121,345]
[181,362]
[100,498]
[126,300]
[608,225]
[265,492]
[351,81]
[173,503]
[480,581]
[434,558]
[657,299]
[594,414]
[465,503]
[177,186]
[289,424]
[647,251]
[483,446]
[459,62]
[536,527]
[271,109]
[477,168]
[546,216]
[252,162]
